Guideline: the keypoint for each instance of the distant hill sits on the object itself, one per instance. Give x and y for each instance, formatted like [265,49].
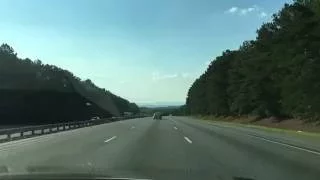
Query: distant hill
[164,110]
[160,104]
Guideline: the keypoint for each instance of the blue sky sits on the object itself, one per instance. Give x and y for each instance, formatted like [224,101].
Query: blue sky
[147,51]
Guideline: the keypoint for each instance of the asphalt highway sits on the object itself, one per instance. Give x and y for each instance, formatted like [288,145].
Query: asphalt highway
[172,148]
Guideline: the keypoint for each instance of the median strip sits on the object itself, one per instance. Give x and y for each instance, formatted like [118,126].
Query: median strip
[110,139]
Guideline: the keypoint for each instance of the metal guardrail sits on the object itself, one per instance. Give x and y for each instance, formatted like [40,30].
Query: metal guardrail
[30,131]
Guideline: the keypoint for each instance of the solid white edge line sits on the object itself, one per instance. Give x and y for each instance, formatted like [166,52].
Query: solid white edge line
[287,145]
[275,142]
[110,139]
[29,141]
[38,139]
[188,140]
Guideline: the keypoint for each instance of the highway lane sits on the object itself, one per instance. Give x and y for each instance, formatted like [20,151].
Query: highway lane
[173,148]
[252,156]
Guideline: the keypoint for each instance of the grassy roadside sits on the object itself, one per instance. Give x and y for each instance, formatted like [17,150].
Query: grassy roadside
[267,125]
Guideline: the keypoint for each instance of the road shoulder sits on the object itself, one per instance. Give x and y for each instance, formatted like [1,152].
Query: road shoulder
[309,141]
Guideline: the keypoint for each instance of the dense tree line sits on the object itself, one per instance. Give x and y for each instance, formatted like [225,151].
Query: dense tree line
[277,74]
[35,93]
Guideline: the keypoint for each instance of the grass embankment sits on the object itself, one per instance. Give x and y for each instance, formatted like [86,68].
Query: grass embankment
[293,126]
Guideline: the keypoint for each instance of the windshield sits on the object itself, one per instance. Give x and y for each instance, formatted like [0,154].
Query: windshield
[165,89]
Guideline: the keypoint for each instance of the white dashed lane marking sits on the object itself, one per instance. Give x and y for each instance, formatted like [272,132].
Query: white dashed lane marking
[110,139]
[188,140]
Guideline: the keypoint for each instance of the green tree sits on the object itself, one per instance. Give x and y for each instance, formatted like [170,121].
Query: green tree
[277,74]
